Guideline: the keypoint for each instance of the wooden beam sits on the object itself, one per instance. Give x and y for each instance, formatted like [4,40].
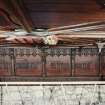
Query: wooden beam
[21,16]
[16,13]
[86,34]
[83,26]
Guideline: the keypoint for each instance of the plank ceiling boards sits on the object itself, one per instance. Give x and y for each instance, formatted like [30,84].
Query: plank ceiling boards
[79,15]
[54,13]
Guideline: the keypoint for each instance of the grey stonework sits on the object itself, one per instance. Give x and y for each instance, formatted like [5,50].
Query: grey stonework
[53,95]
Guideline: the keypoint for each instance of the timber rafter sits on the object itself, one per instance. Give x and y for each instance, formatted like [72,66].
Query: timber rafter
[15,14]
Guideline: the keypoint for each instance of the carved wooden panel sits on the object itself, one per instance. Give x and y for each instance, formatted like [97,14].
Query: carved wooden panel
[102,63]
[51,62]
[28,62]
[58,62]
[5,61]
[86,62]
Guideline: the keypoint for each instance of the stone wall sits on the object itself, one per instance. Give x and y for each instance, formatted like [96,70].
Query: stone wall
[53,95]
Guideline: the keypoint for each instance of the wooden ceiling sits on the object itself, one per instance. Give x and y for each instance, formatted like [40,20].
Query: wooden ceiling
[31,14]
[54,13]
[50,14]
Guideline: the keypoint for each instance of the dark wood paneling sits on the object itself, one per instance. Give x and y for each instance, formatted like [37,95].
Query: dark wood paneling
[58,62]
[5,62]
[102,63]
[28,62]
[86,62]
[62,5]
[51,62]
[59,1]
[66,7]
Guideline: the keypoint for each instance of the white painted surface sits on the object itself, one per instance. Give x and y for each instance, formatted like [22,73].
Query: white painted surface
[53,95]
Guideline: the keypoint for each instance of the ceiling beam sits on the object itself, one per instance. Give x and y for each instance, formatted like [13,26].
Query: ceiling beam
[17,14]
